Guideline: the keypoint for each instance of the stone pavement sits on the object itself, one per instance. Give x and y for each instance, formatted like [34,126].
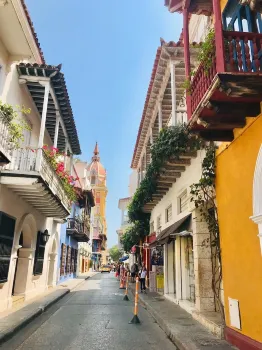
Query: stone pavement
[184,331]
[93,316]
[16,318]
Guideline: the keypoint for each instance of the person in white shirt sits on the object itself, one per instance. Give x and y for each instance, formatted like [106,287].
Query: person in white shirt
[142,274]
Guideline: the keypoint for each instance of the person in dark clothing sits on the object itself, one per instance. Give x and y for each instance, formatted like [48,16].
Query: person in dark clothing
[142,274]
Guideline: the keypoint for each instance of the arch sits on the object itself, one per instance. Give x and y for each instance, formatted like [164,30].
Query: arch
[28,225]
[25,253]
[257,195]
[52,260]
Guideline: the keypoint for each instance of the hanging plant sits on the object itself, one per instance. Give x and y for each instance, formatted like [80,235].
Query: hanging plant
[171,142]
[207,51]
[15,124]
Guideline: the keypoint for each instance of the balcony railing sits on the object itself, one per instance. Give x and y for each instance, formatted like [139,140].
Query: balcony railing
[6,146]
[243,55]
[78,229]
[28,162]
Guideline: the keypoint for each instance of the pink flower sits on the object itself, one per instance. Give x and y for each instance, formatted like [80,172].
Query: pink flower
[54,149]
[45,147]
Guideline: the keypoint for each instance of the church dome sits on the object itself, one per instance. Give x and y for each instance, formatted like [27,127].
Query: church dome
[97,172]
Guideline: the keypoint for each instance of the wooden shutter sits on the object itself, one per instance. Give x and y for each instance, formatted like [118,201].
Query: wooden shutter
[72,260]
[39,255]
[7,230]
[62,259]
[75,262]
[68,259]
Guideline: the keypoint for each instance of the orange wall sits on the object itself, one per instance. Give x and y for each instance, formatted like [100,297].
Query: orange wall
[241,255]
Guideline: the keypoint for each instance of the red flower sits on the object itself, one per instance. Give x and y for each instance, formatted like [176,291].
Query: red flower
[45,147]
[54,149]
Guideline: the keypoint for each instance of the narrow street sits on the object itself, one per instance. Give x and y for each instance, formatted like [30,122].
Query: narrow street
[93,316]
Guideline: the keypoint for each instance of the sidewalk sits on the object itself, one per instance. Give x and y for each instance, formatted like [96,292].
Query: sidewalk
[16,318]
[185,332]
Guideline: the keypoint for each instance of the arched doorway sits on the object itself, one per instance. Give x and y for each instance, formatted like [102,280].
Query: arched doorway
[24,266]
[52,264]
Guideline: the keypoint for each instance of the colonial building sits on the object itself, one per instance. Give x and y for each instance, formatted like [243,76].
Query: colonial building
[225,105]
[176,228]
[77,229]
[34,200]
[97,177]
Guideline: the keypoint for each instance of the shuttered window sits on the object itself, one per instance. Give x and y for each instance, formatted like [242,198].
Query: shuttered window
[169,213]
[159,221]
[182,202]
[62,259]
[68,260]
[39,255]
[76,255]
[7,229]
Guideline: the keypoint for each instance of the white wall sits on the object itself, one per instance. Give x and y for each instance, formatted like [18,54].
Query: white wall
[198,28]
[14,206]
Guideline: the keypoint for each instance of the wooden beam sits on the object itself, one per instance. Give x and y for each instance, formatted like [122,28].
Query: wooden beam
[170,175]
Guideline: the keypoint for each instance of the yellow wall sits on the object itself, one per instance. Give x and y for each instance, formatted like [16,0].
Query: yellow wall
[241,256]
[223,4]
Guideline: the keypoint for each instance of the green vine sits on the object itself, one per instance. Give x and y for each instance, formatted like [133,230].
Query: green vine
[207,51]
[16,125]
[171,142]
[203,196]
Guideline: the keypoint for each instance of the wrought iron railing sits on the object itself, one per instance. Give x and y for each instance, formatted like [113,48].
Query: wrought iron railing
[75,225]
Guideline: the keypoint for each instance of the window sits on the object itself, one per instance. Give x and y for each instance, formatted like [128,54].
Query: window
[39,255]
[7,228]
[93,180]
[68,260]
[152,227]
[182,202]
[169,213]
[158,221]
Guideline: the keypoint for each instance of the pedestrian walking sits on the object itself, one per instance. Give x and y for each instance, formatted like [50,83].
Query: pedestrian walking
[133,272]
[142,274]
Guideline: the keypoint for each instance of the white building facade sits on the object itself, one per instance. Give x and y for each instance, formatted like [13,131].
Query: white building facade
[33,201]
[179,229]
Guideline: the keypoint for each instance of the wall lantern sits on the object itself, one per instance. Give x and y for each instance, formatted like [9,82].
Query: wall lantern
[45,236]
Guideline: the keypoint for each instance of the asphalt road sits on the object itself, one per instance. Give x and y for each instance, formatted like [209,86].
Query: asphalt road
[93,316]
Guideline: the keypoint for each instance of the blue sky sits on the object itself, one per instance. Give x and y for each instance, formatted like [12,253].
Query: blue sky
[107,49]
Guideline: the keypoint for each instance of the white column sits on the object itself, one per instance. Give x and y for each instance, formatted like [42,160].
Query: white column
[151,136]
[46,84]
[44,112]
[160,122]
[71,164]
[173,93]
[66,150]
[57,123]
[165,269]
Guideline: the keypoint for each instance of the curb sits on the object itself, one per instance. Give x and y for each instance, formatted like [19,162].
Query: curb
[10,332]
[17,326]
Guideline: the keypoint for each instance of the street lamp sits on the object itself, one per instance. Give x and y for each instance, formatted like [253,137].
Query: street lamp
[45,236]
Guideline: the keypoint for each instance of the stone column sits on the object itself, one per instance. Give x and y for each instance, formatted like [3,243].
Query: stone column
[24,270]
[166,291]
[202,264]
[52,270]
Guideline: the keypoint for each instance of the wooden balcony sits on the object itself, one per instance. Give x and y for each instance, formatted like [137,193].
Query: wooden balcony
[77,229]
[31,176]
[170,172]
[221,100]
